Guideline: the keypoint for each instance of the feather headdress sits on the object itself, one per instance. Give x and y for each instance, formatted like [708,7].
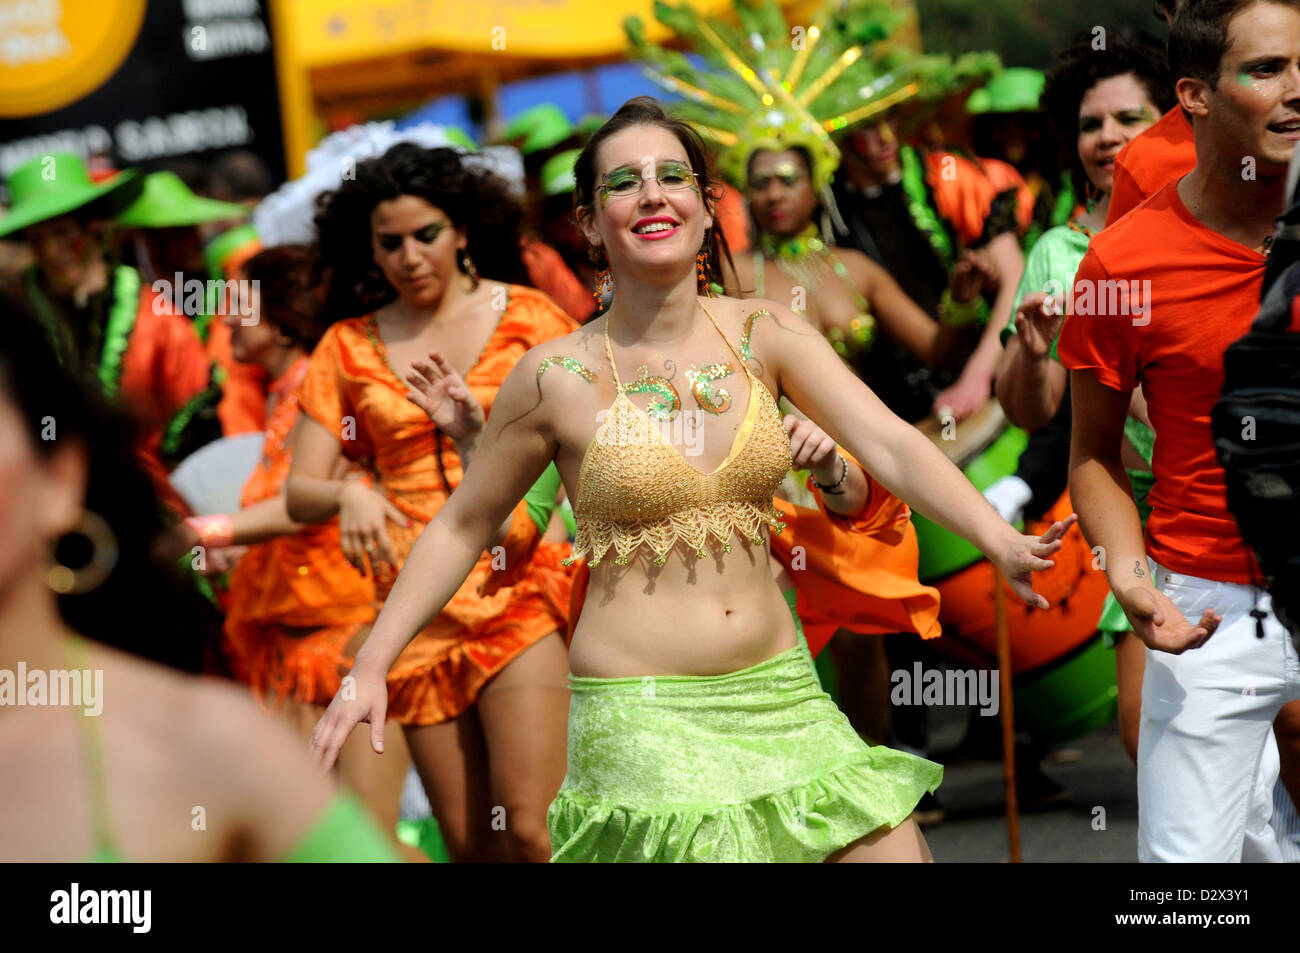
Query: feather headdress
[774,85]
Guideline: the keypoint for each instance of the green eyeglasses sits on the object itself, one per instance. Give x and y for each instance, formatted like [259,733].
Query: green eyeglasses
[671,176]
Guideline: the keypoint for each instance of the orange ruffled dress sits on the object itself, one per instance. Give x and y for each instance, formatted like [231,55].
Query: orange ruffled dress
[294,602]
[351,390]
[856,571]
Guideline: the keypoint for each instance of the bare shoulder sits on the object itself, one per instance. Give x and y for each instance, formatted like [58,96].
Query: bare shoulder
[862,268]
[578,356]
[208,728]
[549,376]
[756,324]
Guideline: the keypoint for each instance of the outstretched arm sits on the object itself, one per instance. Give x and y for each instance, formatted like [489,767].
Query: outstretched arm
[893,452]
[518,444]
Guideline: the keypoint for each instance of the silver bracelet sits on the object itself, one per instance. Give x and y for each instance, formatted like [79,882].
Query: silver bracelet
[836,487]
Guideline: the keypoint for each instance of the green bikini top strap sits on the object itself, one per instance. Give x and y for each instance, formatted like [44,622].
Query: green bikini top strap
[78,657]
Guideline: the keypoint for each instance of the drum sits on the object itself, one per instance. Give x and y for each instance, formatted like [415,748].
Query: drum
[1064,677]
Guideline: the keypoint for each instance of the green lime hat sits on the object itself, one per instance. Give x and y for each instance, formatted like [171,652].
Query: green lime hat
[220,248]
[1013,90]
[541,127]
[51,185]
[167,202]
[557,173]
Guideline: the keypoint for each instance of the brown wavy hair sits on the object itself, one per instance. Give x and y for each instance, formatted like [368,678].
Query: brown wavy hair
[473,199]
[647,111]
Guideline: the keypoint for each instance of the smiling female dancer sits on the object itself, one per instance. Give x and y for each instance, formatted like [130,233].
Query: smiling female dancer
[696,728]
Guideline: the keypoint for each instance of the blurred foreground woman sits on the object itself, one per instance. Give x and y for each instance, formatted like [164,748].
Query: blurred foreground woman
[107,754]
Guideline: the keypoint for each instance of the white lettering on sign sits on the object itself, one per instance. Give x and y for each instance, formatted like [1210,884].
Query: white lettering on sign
[30,33]
[226,38]
[180,133]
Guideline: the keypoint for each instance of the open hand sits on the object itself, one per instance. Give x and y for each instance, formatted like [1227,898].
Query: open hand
[1160,624]
[438,390]
[1026,555]
[811,448]
[1038,322]
[360,698]
[363,530]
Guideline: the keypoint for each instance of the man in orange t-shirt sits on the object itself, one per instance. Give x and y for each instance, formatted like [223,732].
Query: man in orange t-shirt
[1156,302]
[1154,159]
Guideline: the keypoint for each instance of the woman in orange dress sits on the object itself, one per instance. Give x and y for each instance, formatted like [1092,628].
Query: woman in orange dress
[482,691]
[294,603]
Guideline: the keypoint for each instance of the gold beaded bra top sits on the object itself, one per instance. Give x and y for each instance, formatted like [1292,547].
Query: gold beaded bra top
[636,489]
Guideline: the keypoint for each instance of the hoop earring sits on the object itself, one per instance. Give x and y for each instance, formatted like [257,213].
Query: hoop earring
[467,266]
[74,582]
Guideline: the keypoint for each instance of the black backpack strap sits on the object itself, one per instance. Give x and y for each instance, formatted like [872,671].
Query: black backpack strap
[1275,310]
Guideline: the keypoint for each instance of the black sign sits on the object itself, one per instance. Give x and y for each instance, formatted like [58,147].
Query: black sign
[199,80]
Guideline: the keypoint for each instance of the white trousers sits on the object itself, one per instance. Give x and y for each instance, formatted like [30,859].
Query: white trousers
[1207,758]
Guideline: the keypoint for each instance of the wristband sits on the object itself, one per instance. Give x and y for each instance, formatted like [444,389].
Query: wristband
[957,314]
[215,532]
[836,487]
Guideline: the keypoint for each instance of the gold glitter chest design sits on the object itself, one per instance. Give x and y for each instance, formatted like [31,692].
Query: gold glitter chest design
[635,488]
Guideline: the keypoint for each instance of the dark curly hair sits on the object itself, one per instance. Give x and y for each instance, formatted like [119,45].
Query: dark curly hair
[1081,67]
[291,298]
[647,111]
[473,199]
[144,607]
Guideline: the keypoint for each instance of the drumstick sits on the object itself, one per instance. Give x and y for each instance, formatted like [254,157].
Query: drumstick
[1007,713]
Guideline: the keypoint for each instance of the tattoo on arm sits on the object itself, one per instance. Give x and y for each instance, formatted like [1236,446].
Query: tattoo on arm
[1137,570]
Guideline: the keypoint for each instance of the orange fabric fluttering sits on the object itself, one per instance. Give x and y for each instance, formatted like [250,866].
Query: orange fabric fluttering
[294,602]
[1075,590]
[964,192]
[856,572]
[351,391]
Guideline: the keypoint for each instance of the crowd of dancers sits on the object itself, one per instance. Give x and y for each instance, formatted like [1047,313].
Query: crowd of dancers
[563,482]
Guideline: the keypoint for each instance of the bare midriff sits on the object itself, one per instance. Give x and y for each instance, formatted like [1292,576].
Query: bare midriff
[688,616]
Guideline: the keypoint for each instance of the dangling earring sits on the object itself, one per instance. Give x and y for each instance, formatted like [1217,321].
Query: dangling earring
[467,266]
[1091,196]
[702,274]
[604,279]
[604,285]
[67,581]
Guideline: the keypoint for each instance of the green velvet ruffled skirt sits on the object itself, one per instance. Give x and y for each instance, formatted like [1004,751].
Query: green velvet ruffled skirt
[754,765]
